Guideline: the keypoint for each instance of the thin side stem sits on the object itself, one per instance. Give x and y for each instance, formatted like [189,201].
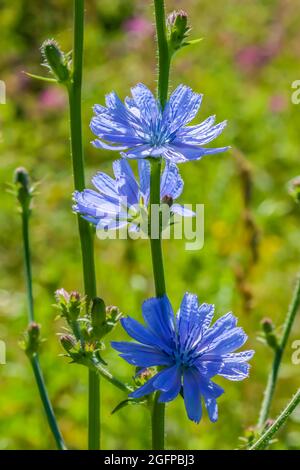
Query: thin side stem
[46,403]
[99,369]
[34,360]
[158,410]
[272,379]
[86,238]
[266,437]
[27,264]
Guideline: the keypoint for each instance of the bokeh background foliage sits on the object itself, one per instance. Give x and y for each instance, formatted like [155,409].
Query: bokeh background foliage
[244,67]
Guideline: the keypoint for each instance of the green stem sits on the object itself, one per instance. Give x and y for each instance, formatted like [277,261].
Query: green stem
[158,411]
[272,379]
[34,360]
[46,403]
[156,245]
[164,59]
[266,437]
[158,424]
[86,237]
[27,263]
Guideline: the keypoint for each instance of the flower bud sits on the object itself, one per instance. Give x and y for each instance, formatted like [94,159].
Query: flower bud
[269,334]
[55,60]
[68,342]
[178,29]
[70,304]
[98,316]
[23,188]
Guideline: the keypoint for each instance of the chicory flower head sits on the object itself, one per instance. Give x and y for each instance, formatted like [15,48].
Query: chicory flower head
[188,350]
[123,201]
[139,128]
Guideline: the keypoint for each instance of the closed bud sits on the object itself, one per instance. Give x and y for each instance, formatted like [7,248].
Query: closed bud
[269,334]
[98,316]
[55,60]
[70,304]
[68,342]
[23,188]
[267,325]
[178,29]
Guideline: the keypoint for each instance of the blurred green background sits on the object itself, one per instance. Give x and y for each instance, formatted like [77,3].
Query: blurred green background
[245,67]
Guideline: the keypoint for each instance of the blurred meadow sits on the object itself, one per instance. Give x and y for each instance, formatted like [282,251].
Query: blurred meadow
[245,66]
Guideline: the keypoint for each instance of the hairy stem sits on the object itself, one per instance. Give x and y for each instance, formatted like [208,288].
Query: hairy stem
[272,379]
[266,437]
[85,234]
[158,411]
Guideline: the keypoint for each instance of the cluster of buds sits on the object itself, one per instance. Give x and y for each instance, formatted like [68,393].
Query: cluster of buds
[270,336]
[56,61]
[32,339]
[71,305]
[178,31]
[87,326]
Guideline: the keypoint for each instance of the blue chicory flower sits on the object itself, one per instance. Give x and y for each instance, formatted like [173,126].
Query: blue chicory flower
[122,202]
[139,128]
[187,350]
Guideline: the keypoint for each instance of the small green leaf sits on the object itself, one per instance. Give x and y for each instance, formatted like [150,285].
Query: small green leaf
[38,77]
[127,402]
[192,42]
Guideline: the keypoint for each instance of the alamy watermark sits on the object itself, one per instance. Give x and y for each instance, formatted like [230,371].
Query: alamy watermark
[296,353]
[184,222]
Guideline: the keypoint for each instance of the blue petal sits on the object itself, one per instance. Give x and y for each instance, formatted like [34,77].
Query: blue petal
[145,102]
[188,308]
[191,131]
[226,322]
[101,145]
[203,138]
[141,355]
[142,334]
[144,174]
[239,357]
[209,369]
[145,389]
[235,371]
[228,342]
[181,108]
[167,378]
[181,152]
[140,151]
[191,393]
[182,210]
[158,314]
[171,182]
[210,392]
[105,184]
[126,182]
[173,388]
